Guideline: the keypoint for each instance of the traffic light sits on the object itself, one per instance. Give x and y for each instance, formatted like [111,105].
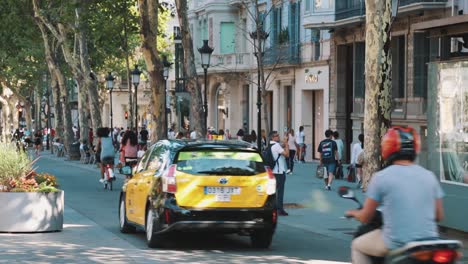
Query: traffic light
[126,115]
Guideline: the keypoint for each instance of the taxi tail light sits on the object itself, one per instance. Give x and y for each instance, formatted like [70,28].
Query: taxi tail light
[274,216]
[169,180]
[167,216]
[440,256]
[271,183]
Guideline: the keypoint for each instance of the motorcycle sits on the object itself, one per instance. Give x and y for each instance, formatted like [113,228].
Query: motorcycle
[416,252]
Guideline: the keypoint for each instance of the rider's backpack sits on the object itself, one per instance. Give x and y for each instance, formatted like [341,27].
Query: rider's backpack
[268,157]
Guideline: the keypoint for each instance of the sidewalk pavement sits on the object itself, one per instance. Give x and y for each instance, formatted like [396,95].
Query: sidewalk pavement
[310,206]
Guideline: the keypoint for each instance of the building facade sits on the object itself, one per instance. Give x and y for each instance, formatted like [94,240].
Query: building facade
[428,46]
[295,61]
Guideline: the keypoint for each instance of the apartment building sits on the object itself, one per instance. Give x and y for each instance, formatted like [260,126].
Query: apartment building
[429,46]
[295,59]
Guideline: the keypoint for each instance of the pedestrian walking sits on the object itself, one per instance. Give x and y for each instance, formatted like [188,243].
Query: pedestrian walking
[129,149]
[240,134]
[91,137]
[292,150]
[328,157]
[300,139]
[144,136]
[194,134]
[264,139]
[227,135]
[356,150]
[180,135]
[37,142]
[253,136]
[171,134]
[280,152]
[340,146]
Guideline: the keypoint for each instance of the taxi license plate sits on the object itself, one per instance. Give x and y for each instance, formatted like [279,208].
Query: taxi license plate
[222,190]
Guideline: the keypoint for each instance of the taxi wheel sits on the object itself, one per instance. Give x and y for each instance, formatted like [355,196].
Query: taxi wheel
[152,223]
[125,227]
[261,238]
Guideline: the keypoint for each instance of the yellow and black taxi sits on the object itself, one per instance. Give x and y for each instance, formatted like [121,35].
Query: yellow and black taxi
[200,185]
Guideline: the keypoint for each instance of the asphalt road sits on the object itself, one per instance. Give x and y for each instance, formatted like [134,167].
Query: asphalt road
[88,204]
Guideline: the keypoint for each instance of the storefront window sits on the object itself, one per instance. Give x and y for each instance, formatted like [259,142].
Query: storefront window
[448,121]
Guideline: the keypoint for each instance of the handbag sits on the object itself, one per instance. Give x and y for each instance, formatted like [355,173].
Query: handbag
[351,177]
[339,172]
[127,170]
[320,171]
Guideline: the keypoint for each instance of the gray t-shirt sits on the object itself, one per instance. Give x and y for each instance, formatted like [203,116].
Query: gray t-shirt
[407,195]
[107,148]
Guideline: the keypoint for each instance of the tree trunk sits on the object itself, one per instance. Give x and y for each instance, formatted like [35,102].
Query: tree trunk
[89,84]
[149,29]
[56,73]
[190,71]
[6,133]
[127,65]
[58,111]
[83,106]
[378,83]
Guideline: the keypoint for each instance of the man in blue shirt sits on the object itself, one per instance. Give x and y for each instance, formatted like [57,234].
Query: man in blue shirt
[409,195]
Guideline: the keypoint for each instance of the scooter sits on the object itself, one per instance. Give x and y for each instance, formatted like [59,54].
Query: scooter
[416,252]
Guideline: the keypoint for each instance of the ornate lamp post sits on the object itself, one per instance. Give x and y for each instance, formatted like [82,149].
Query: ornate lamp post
[205,52]
[167,66]
[136,81]
[259,36]
[110,85]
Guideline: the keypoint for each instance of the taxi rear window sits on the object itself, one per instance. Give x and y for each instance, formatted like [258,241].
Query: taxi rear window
[219,162]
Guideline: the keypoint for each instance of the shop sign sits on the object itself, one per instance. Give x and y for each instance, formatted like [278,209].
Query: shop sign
[311,78]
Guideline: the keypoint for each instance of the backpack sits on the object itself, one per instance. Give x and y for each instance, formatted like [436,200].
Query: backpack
[268,157]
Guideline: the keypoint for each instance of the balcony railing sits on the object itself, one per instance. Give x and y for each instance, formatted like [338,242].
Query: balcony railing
[230,61]
[282,54]
[356,8]
[410,2]
[349,8]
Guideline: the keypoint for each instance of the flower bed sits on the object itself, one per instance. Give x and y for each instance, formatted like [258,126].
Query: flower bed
[30,202]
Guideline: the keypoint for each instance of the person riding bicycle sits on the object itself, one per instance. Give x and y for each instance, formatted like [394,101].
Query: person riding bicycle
[409,196]
[106,149]
[129,149]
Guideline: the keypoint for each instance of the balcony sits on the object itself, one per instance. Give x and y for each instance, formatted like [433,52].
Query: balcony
[411,2]
[229,62]
[347,9]
[283,54]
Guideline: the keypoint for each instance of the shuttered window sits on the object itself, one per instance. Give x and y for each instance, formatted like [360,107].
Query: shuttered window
[275,25]
[398,66]
[228,31]
[421,58]
[359,78]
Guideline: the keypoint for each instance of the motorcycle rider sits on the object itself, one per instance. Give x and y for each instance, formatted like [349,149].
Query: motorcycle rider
[409,195]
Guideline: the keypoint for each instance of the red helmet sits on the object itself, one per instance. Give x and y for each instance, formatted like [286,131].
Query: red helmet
[400,143]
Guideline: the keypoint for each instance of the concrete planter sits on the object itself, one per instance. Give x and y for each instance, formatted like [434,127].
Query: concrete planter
[31,212]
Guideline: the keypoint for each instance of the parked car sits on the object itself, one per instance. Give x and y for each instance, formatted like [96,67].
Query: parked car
[221,186]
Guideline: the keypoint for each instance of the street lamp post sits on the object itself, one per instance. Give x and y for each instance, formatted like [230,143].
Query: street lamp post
[205,52]
[259,36]
[136,81]
[47,113]
[110,85]
[167,66]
